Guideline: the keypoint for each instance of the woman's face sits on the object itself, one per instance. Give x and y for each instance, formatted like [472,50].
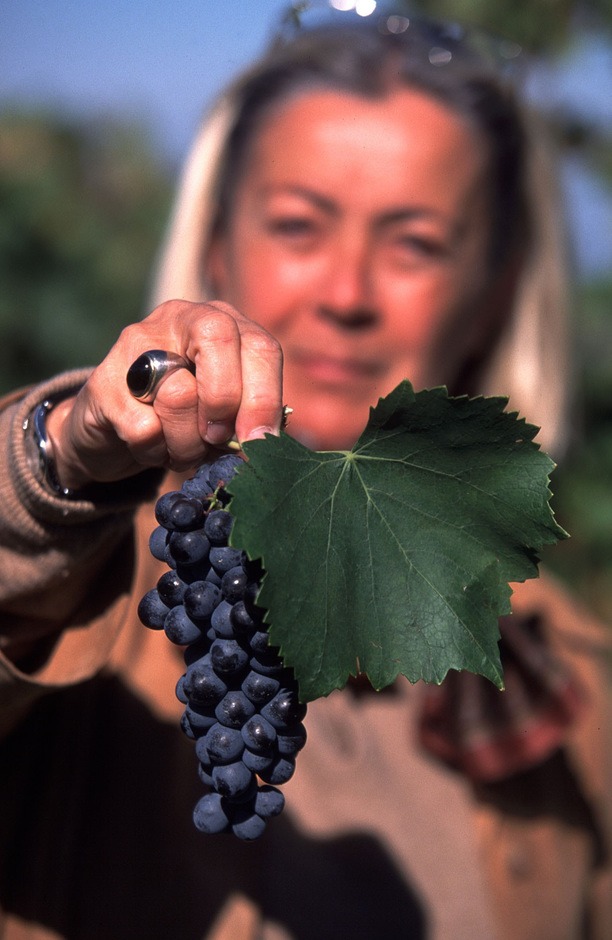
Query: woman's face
[358,237]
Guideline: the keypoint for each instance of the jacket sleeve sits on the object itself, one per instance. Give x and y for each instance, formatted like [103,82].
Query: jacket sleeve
[66,565]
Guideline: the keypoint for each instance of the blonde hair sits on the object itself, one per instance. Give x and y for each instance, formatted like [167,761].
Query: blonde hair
[528,362]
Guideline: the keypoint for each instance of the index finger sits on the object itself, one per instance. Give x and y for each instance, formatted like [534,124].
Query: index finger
[261,405]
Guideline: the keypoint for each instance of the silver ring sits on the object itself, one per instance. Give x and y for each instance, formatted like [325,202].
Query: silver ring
[146,373]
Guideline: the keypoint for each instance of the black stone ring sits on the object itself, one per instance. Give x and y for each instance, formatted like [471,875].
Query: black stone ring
[146,373]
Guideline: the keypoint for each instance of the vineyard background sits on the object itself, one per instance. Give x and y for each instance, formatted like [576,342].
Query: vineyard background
[84,198]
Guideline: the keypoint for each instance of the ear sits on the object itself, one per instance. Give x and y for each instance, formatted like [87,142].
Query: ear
[216,266]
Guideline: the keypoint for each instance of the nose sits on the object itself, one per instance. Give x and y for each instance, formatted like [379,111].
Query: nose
[346,289]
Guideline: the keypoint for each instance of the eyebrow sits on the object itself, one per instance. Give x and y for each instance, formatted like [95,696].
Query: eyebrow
[391,217]
[322,202]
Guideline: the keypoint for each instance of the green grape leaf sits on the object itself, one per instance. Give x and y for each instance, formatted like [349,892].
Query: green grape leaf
[395,557]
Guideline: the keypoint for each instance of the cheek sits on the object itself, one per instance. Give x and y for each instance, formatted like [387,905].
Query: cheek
[253,287]
[267,289]
[421,310]
[435,327]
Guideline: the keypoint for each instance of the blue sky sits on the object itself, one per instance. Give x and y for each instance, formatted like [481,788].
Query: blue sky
[160,62]
[156,60]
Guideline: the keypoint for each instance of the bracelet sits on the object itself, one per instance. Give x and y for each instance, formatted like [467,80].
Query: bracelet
[43,450]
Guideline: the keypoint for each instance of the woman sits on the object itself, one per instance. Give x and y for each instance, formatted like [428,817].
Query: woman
[366,212]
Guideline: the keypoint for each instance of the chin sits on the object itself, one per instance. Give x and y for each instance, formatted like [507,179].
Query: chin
[327,436]
[324,421]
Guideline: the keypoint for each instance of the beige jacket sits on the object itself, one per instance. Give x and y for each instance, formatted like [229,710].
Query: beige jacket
[97,783]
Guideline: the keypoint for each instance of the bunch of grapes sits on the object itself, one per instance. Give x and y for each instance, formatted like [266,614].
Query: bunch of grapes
[241,703]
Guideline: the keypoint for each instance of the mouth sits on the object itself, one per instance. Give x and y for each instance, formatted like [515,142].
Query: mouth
[335,369]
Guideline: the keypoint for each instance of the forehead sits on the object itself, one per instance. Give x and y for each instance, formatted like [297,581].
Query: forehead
[403,142]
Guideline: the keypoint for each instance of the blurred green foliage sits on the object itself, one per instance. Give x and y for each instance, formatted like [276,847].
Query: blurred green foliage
[82,209]
[582,484]
[540,26]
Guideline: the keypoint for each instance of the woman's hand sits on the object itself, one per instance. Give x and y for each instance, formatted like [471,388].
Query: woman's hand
[104,434]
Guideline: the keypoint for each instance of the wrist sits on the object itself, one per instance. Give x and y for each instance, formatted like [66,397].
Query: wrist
[41,430]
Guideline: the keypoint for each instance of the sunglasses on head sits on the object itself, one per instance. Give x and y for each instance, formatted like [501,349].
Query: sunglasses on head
[447,41]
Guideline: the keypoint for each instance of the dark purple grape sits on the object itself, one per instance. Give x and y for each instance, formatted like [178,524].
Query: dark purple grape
[213,577]
[232,780]
[268,664]
[168,558]
[185,514]
[284,710]
[223,558]
[221,621]
[258,734]
[248,795]
[202,474]
[205,774]
[201,749]
[198,653]
[188,548]
[218,526]
[210,814]
[180,690]
[242,620]
[197,722]
[186,728]
[203,687]
[197,488]
[227,657]
[268,802]
[163,507]
[179,628]
[234,583]
[280,771]
[200,600]
[224,745]
[171,589]
[247,825]
[260,642]
[291,741]
[157,543]
[260,689]
[234,709]
[257,762]
[152,611]
[189,574]
[224,469]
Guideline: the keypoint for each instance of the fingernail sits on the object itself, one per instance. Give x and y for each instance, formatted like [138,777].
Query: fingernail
[258,433]
[218,432]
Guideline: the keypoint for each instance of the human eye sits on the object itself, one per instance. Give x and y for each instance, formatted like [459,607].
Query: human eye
[293,220]
[291,226]
[417,248]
